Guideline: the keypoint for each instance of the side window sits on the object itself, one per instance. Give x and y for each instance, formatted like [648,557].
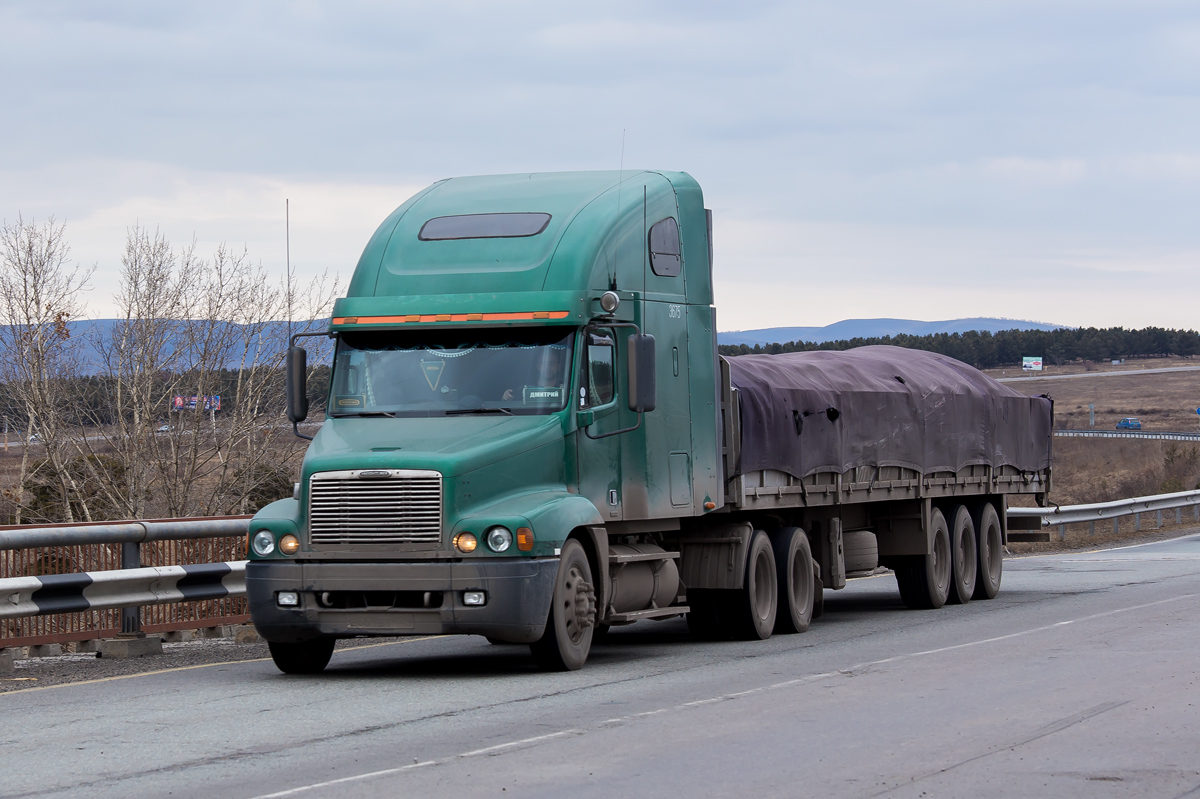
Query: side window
[600,371]
[664,248]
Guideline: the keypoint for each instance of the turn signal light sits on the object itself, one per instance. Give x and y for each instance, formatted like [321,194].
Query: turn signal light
[465,542]
[524,539]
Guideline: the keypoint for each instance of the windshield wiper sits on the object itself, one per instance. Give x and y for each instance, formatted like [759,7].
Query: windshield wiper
[463,411]
[389,414]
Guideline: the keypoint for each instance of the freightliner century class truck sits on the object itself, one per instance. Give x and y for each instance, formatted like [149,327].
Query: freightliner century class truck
[530,436]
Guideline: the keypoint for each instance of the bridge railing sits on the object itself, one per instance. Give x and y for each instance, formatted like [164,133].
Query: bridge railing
[77,582]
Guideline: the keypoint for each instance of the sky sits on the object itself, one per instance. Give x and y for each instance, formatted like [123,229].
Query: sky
[923,160]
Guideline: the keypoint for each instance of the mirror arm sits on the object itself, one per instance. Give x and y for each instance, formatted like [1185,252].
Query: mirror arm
[292,343]
[614,432]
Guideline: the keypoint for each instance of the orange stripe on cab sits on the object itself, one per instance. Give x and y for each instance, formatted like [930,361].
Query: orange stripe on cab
[520,316]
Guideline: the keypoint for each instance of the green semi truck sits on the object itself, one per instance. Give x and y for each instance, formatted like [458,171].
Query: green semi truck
[530,436]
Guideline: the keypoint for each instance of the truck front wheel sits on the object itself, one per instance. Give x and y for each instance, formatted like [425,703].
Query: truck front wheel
[302,657]
[565,644]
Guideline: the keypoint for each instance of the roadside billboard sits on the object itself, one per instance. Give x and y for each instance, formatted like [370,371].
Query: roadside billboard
[1032,363]
[209,403]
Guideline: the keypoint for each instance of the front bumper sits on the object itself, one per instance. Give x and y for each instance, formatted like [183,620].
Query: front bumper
[518,591]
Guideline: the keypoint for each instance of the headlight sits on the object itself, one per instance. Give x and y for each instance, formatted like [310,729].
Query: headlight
[289,544]
[263,543]
[499,539]
[465,542]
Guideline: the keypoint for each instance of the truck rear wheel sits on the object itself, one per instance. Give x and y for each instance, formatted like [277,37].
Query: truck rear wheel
[964,562]
[757,603]
[565,644]
[991,551]
[794,575]
[924,580]
[302,657]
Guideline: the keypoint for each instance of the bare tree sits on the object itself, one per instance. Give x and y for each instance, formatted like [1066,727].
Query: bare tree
[194,328]
[40,293]
[141,361]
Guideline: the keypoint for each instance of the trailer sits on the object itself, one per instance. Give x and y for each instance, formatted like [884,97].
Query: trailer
[529,436]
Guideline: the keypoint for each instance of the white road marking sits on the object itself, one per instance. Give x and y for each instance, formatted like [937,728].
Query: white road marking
[491,750]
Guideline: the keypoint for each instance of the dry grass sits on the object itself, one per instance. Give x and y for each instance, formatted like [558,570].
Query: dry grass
[1162,401]
[1104,469]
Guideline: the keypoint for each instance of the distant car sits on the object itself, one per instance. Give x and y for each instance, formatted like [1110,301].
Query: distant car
[1129,423]
[166,428]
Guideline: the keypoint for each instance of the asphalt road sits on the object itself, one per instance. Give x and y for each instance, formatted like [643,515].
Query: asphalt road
[1080,679]
[1118,373]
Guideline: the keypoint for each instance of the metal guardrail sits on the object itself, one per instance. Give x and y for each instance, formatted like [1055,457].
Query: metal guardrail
[1146,434]
[1062,515]
[63,582]
[132,532]
[157,585]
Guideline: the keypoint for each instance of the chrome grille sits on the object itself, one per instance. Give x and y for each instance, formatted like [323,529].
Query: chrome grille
[388,506]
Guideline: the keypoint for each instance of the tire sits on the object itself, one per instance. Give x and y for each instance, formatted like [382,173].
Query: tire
[756,603]
[990,547]
[794,576]
[302,657]
[565,644]
[964,561]
[924,580]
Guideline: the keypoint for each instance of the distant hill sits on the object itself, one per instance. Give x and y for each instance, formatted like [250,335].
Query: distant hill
[874,328]
[86,331]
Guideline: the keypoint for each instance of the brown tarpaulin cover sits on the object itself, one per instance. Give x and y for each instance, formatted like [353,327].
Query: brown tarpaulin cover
[806,412]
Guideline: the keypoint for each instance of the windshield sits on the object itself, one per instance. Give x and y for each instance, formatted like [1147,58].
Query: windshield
[509,371]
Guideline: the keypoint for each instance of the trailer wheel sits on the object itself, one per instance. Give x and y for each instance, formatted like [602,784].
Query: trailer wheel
[991,551]
[756,605]
[924,580]
[964,562]
[794,575]
[302,657]
[565,644]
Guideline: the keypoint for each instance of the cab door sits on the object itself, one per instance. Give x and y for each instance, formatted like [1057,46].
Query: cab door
[596,401]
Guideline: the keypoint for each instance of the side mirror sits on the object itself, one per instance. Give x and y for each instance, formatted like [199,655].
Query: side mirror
[643,386]
[297,384]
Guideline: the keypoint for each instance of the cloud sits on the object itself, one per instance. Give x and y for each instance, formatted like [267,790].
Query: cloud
[331,220]
[988,155]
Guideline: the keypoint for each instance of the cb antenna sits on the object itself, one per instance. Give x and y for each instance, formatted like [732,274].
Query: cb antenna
[612,283]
